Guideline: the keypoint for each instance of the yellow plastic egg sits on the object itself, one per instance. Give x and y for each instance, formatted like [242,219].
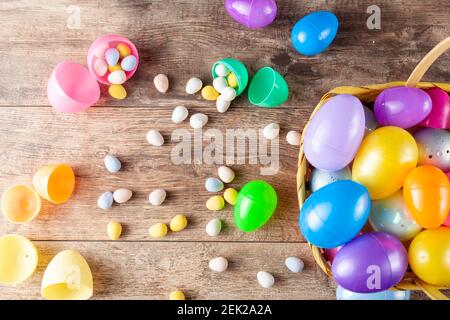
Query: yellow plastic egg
[177,295]
[215,203]
[232,80]
[209,93]
[178,223]
[230,196]
[123,49]
[117,91]
[114,68]
[158,230]
[114,230]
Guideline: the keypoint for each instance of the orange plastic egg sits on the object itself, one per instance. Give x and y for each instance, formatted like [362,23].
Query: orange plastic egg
[426,192]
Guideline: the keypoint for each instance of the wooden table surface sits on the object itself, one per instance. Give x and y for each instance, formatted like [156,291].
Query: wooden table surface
[181,39]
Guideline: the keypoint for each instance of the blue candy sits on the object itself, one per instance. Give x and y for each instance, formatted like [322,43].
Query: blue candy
[128,63]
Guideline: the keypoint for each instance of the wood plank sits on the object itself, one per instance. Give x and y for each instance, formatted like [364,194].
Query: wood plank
[184,38]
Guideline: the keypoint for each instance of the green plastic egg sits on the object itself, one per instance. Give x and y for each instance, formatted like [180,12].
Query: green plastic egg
[256,202]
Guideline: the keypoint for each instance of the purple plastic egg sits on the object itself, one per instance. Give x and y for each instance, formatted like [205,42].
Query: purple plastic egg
[335,132]
[439,116]
[253,14]
[402,107]
[373,262]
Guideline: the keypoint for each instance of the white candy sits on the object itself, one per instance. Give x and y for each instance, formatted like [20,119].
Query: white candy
[293,138]
[161,83]
[155,138]
[198,120]
[221,70]
[105,201]
[228,94]
[179,114]
[122,195]
[225,174]
[218,264]
[220,83]
[213,227]
[271,131]
[117,77]
[193,85]
[157,197]
[112,164]
[222,105]
[100,67]
[294,264]
[265,279]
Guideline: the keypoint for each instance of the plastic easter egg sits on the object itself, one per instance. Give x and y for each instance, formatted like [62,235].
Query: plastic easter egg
[429,254]
[427,196]
[371,122]
[253,14]
[439,116]
[372,262]
[335,214]
[390,215]
[255,204]
[344,294]
[335,132]
[447,221]
[332,252]
[403,107]
[384,159]
[313,33]
[434,147]
[321,178]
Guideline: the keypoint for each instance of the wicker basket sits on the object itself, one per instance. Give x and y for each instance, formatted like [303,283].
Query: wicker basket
[367,94]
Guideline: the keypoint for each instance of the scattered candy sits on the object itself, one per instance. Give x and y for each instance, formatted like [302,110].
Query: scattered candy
[222,105]
[122,195]
[128,63]
[232,80]
[265,279]
[117,91]
[157,197]
[112,56]
[198,120]
[209,93]
[221,70]
[114,230]
[213,227]
[161,83]
[213,185]
[293,138]
[228,93]
[112,164]
[155,138]
[177,295]
[225,174]
[294,264]
[117,77]
[179,114]
[193,85]
[105,201]
[271,131]
[178,223]
[218,264]
[219,84]
[230,195]
[100,67]
[158,230]
[123,49]
[215,203]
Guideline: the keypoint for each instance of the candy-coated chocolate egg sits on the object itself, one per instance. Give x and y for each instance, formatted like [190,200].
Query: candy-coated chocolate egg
[372,262]
[344,294]
[384,159]
[429,256]
[434,147]
[335,214]
[403,107]
[253,14]
[321,178]
[426,191]
[390,215]
[439,116]
[255,204]
[335,132]
[313,33]
[112,56]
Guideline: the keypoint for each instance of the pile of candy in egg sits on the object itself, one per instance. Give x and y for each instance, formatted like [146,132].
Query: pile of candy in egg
[389,167]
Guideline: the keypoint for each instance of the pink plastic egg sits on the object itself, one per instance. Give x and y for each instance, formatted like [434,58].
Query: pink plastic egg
[440,112]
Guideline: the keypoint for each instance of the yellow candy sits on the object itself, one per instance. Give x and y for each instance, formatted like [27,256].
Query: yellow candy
[215,203]
[114,230]
[123,49]
[232,80]
[178,223]
[177,295]
[115,68]
[158,230]
[209,93]
[230,196]
[117,91]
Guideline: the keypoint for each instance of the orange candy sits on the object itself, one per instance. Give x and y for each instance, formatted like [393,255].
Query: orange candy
[426,191]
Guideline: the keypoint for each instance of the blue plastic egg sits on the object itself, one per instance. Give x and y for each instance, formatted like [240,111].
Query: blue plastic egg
[321,178]
[335,214]
[313,33]
[344,294]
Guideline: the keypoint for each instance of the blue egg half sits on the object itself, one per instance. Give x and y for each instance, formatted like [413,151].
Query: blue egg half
[313,33]
[344,294]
